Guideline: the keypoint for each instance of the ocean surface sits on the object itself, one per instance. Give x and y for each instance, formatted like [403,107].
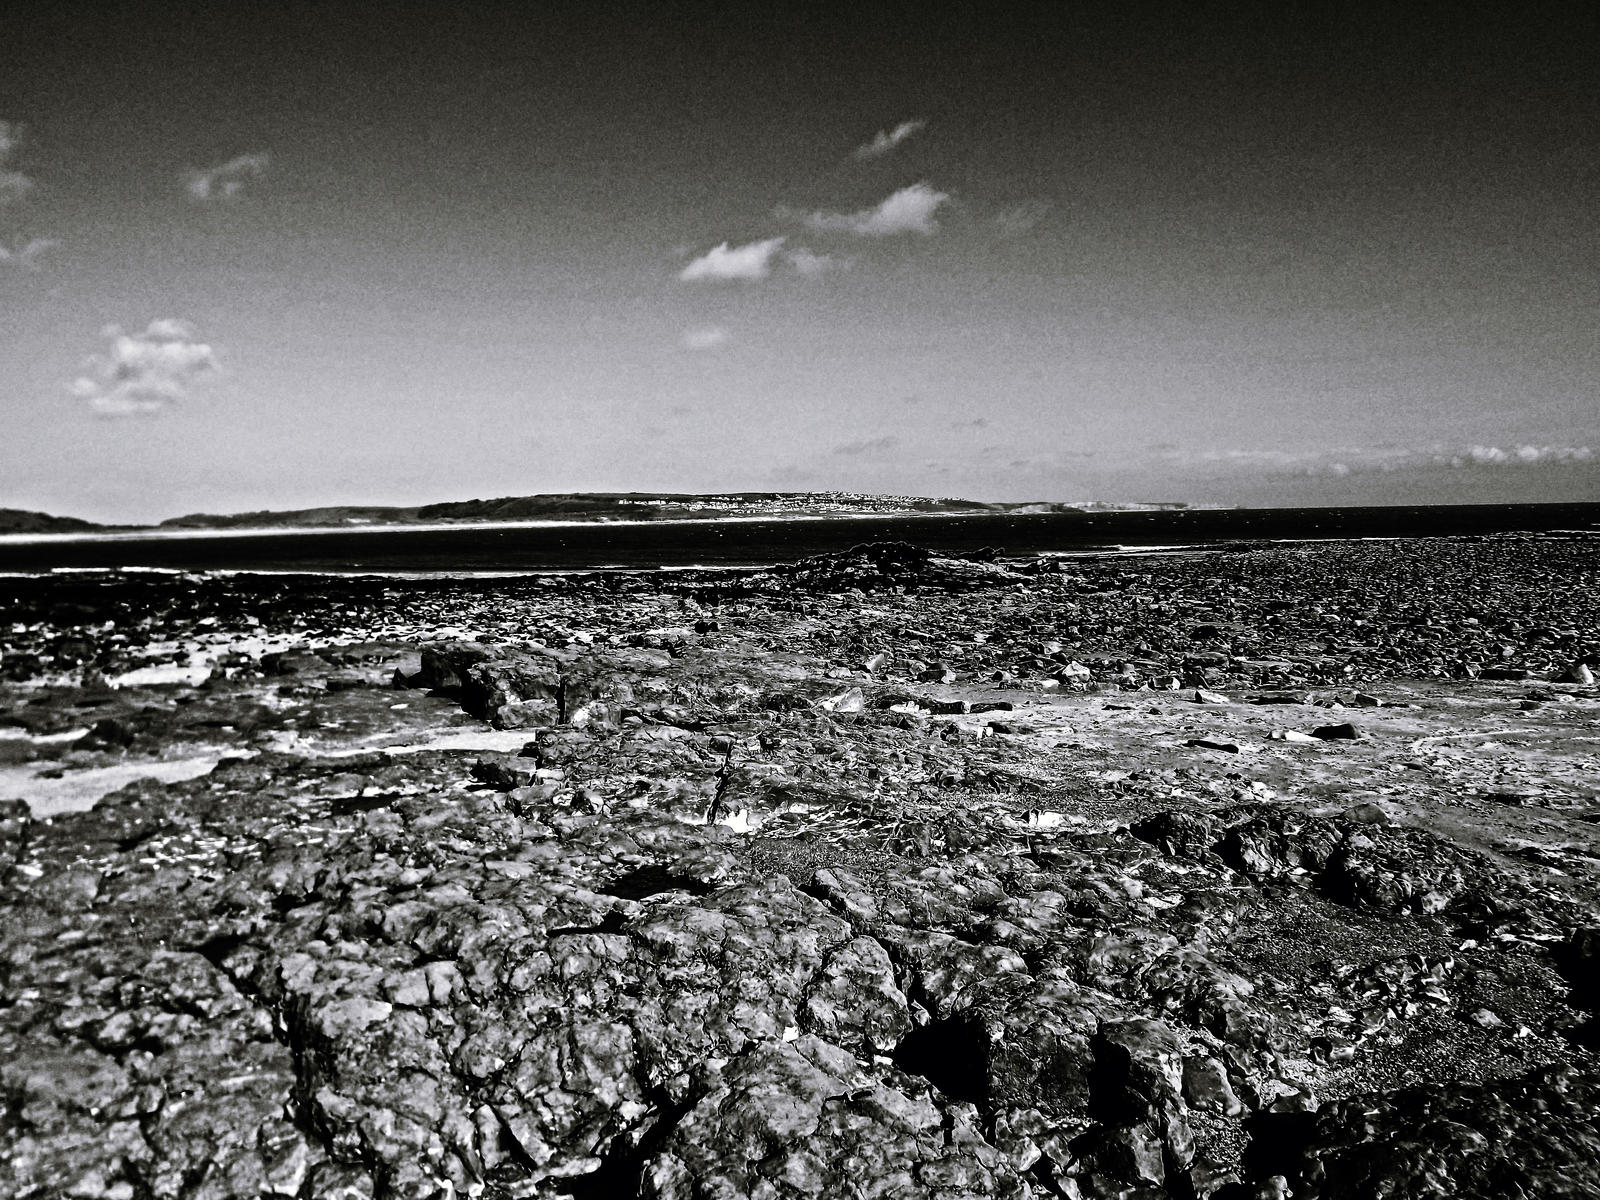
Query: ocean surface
[576,546]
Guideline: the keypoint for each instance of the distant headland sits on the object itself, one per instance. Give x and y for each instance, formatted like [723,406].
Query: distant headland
[577,506]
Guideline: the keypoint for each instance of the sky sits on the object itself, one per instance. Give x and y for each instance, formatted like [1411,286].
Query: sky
[328,253]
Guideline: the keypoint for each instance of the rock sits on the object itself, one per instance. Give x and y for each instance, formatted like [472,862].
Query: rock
[1206,1086]
[19,667]
[939,966]
[1368,813]
[1180,834]
[1505,673]
[506,774]
[856,1003]
[1578,959]
[1018,965]
[443,665]
[295,661]
[846,893]
[1577,672]
[1138,1071]
[667,637]
[1531,1135]
[1124,1155]
[882,565]
[1336,733]
[1212,744]
[1292,735]
[1201,696]
[514,693]
[848,701]
[794,1120]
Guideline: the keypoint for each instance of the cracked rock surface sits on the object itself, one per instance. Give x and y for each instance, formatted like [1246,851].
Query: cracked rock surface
[875,876]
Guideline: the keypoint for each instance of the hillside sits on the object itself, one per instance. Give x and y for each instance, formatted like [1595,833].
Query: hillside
[18,520]
[568,506]
[587,506]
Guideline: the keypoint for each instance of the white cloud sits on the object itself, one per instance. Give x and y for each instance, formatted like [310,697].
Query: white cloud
[809,263]
[708,337]
[169,330]
[1354,460]
[1520,456]
[887,141]
[14,185]
[148,372]
[229,179]
[750,261]
[1021,219]
[910,210]
[27,257]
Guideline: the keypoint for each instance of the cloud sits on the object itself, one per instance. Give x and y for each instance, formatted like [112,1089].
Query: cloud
[144,373]
[887,141]
[875,445]
[1365,460]
[910,210]
[27,257]
[1521,456]
[1021,219]
[809,263]
[708,337]
[750,261]
[14,185]
[228,180]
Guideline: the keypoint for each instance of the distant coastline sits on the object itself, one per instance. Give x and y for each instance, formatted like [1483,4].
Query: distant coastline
[533,547]
[564,508]
[165,532]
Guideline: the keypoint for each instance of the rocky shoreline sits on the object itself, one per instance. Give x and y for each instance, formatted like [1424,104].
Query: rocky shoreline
[1259,872]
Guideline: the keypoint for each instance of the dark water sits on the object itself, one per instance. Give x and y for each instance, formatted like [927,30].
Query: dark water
[669,544]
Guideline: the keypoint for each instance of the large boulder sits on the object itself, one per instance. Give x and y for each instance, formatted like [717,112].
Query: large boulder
[519,691]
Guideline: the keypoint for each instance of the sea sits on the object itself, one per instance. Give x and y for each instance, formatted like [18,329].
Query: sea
[536,547]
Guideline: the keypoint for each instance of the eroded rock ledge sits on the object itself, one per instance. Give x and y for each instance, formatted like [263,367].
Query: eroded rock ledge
[744,917]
